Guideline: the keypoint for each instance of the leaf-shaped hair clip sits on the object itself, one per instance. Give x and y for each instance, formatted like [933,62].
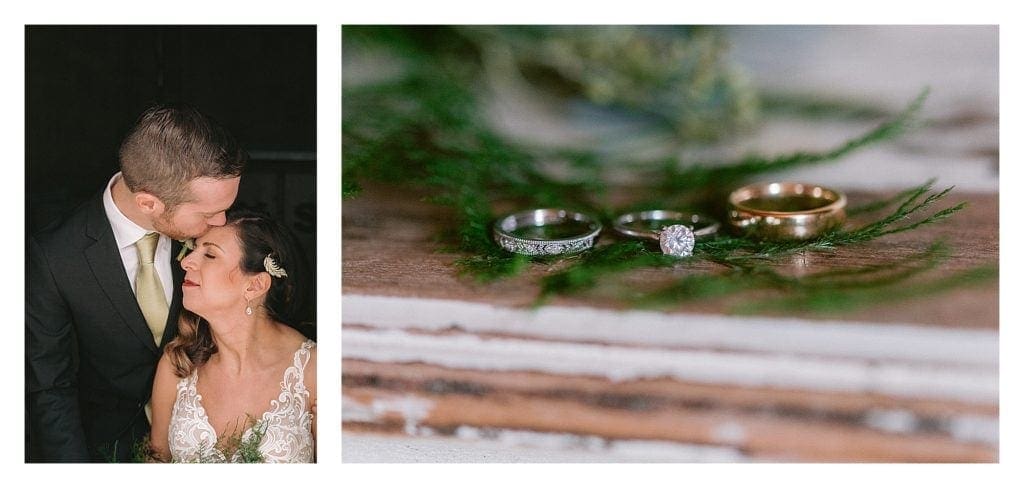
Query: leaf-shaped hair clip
[271,266]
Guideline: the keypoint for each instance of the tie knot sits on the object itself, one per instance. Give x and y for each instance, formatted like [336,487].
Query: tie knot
[147,247]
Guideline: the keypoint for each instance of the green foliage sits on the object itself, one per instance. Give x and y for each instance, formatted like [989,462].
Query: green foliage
[425,130]
[750,262]
[142,451]
[843,296]
[675,179]
[835,290]
[816,107]
[108,453]
[677,77]
[724,250]
[600,262]
[249,446]
[422,127]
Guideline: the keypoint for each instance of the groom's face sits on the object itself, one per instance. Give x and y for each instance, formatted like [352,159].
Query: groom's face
[211,197]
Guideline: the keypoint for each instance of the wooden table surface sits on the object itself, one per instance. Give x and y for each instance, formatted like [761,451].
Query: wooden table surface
[429,354]
[437,367]
[390,248]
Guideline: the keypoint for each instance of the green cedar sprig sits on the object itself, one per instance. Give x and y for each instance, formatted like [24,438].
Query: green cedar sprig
[424,129]
[748,260]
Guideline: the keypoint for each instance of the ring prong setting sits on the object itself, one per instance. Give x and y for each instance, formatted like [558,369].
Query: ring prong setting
[677,240]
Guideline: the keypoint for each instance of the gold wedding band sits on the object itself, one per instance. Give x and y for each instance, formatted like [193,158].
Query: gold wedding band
[786,211]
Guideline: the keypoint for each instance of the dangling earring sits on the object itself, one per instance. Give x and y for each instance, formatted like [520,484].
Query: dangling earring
[248,307]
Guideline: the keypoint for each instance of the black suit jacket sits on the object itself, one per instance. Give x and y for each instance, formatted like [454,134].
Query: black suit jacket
[89,355]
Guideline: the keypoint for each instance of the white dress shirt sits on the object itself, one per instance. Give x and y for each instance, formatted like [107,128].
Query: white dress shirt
[127,233]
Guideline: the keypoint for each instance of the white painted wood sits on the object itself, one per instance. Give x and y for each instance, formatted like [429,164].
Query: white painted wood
[475,446]
[833,339]
[617,363]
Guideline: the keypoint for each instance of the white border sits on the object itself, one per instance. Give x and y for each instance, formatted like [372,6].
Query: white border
[330,14]
[329,243]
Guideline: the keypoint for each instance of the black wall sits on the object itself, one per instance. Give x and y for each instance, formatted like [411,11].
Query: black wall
[86,85]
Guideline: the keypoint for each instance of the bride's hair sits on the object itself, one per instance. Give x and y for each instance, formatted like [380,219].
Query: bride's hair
[288,300]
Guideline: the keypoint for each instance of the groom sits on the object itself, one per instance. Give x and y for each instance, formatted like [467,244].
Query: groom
[103,287]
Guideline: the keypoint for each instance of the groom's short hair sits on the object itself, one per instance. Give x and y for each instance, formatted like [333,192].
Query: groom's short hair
[172,144]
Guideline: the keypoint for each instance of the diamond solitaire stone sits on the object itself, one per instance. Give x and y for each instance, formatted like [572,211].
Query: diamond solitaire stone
[676,240]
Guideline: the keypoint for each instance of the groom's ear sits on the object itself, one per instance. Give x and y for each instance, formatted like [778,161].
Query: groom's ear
[149,204]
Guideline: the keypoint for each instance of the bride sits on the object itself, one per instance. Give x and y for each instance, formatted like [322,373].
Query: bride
[239,382]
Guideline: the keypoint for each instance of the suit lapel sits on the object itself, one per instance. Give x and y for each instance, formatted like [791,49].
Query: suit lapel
[105,261]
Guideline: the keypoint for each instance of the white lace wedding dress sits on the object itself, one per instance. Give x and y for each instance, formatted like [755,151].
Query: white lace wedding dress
[288,437]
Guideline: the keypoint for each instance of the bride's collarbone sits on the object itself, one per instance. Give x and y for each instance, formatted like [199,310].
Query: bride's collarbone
[234,401]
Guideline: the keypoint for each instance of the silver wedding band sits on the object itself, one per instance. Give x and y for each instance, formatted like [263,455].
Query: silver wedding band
[676,240]
[509,224]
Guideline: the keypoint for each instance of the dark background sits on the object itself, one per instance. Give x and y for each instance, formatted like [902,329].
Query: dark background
[86,85]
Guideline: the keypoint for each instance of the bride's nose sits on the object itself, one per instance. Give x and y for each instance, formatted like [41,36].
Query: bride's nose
[189,262]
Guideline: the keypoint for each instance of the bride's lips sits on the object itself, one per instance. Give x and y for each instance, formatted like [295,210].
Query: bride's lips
[188,283]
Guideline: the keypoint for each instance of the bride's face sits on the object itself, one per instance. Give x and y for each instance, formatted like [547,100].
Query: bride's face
[214,282]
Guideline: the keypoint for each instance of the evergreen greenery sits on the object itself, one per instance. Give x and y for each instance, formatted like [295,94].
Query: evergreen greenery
[229,443]
[749,262]
[246,446]
[423,127]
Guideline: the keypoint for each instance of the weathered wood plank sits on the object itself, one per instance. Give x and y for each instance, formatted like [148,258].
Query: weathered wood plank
[389,247]
[431,379]
[442,368]
[759,435]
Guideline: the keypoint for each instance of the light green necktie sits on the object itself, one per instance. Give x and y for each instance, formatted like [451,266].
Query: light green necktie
[148,290]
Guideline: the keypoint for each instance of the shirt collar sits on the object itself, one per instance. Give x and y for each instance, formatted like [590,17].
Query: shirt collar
[126,232]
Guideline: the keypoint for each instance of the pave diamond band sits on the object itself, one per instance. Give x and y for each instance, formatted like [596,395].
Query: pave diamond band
[521,223]
[676,239]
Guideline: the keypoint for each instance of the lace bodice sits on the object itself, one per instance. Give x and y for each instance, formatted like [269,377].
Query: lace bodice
[286,426]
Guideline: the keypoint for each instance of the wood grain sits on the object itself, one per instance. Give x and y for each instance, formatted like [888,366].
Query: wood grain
[807,431]
[432,354]
[391,242]
[425,378]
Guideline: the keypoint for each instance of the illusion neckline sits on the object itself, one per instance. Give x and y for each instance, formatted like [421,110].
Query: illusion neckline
[306,344]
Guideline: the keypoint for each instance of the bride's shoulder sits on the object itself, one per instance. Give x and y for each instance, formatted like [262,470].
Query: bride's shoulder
[292,341]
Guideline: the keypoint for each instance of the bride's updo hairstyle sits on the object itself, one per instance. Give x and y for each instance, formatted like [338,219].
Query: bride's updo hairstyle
[288,300]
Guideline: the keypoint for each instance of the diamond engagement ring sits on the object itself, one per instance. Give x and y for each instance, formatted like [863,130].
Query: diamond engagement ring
[676,239]
[546,231]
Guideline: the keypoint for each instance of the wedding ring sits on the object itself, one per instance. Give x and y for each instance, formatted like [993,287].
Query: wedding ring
[546,231]
[675,240]
[786,211]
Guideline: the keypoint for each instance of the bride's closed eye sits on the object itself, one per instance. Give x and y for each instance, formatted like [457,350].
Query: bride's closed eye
[207,251]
